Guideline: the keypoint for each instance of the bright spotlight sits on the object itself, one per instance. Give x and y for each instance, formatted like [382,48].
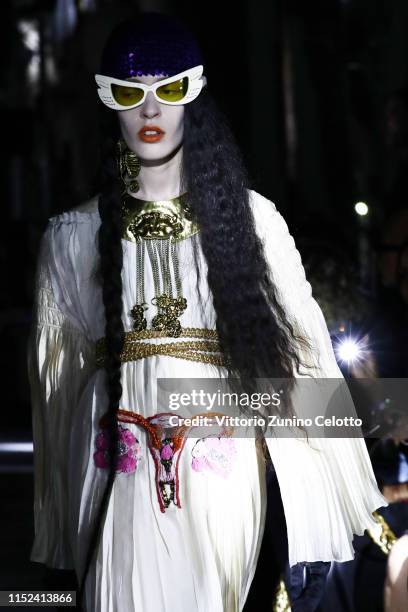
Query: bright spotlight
[361,208]
[349,350]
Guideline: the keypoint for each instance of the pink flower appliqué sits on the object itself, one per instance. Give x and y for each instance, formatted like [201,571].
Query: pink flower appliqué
[128,447]
[214,454]
[167,452]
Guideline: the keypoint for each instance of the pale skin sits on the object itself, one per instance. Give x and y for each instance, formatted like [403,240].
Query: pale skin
[396,583]
[159,177]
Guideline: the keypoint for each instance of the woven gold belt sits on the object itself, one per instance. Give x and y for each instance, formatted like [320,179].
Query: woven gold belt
[205,350]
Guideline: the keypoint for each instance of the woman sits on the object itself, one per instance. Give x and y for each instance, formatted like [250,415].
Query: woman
[396,590]
[176,270]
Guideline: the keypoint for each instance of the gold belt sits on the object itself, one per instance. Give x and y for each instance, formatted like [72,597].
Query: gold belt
[205,350]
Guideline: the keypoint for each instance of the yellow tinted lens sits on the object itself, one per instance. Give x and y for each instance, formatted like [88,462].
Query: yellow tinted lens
[126,96]
[174,91]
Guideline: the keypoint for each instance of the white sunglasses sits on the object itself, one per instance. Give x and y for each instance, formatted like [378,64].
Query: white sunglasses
[180,88]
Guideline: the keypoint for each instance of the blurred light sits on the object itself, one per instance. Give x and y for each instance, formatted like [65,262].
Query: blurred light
[31,40]
[349,350]
[361,208]
[87,6]
[402,468]
[30,35]
[65,19]
[16,447]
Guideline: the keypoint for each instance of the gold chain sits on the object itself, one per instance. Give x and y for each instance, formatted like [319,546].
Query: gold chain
[206,351]
[186,332]
[158,225]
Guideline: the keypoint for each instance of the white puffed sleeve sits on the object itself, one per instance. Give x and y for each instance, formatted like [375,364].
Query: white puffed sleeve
[328,487]
[60,361]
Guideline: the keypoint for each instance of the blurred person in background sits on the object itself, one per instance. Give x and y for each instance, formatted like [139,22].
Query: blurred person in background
[376,579]
[377,574]
[396,584]
[333,274]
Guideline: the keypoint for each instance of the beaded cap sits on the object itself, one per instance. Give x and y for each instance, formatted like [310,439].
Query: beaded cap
[150,44]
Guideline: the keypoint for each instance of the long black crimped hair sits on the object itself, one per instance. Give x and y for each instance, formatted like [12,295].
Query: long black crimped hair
[255,335]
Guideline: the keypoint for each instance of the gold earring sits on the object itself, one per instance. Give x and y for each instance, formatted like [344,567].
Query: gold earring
[129,167]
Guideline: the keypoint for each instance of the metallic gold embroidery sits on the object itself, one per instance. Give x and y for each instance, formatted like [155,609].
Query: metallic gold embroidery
[169,309]
[387,537]
[206,350]
[155,225]
[157,220]
[197,350]
[158,226]
[129,167]
[137,314]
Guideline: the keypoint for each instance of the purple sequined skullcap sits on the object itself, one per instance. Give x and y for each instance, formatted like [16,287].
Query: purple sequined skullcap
[150,44]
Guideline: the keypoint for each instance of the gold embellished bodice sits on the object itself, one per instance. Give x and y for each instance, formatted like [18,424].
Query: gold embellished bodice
[156,227]
[157,220]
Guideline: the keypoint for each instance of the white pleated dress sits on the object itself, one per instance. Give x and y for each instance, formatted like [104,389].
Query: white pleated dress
[201,554]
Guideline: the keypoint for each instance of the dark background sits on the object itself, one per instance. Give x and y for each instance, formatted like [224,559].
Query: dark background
[316,93]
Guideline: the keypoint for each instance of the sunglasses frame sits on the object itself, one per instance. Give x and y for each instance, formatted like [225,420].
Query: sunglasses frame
[195,84]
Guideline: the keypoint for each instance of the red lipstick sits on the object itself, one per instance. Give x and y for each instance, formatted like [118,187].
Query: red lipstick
[151,133]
